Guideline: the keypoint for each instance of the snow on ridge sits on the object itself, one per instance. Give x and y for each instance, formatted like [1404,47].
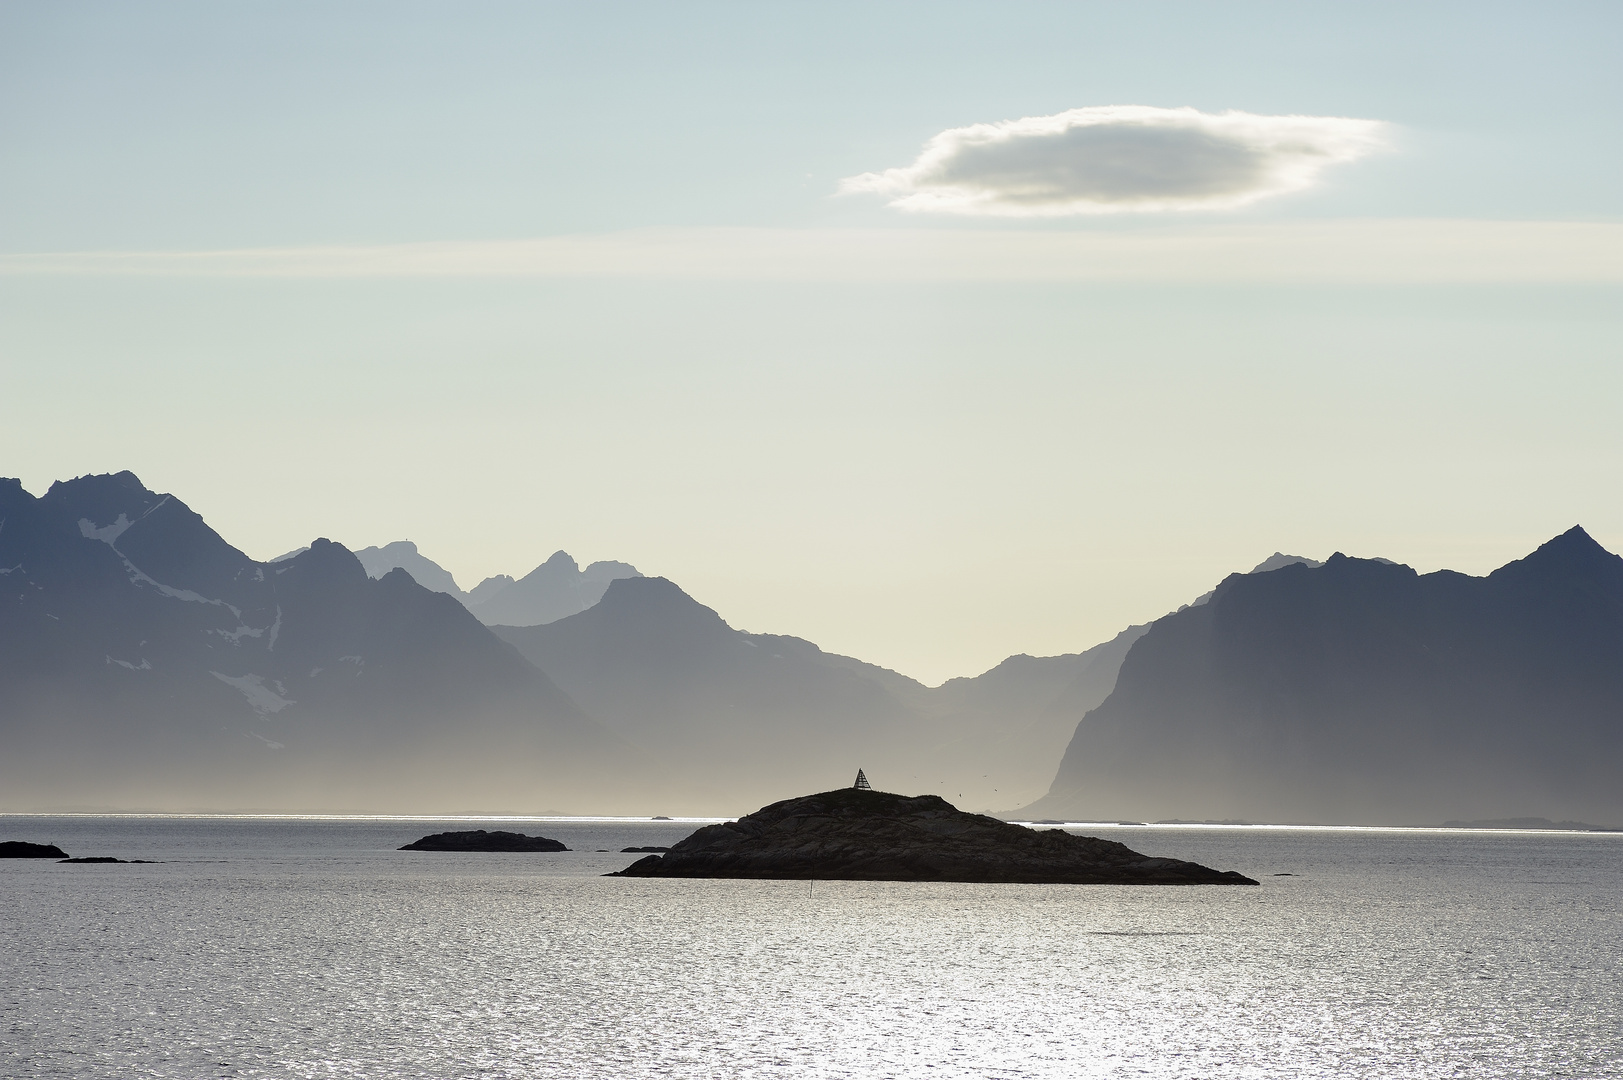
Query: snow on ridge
[145,664]
[107,533]
[262,698]
[275,627]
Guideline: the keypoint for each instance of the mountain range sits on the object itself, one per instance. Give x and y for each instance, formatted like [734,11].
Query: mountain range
[147,663]
[1361,691]
[556,588]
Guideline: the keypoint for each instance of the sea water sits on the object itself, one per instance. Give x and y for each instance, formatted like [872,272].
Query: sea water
[312,948]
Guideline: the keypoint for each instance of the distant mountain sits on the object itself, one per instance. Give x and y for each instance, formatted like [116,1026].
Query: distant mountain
[144,661]
[556,588]
[738,716]
[1361,691]
[403,555]
[743,716]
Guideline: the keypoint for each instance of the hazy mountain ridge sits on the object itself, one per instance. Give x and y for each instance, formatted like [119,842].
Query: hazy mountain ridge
[154,664]
[1363,691]
[144,659]
[758,713]
[553,590]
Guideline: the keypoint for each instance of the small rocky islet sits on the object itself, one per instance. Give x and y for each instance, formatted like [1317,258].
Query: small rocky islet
[22,849]
[481,840]
[855,834]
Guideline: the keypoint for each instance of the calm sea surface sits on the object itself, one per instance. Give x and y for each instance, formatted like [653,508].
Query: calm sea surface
[311,948]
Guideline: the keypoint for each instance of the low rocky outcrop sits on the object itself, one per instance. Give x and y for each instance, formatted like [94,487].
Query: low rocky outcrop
[480,840]
[857,835]
[21,849]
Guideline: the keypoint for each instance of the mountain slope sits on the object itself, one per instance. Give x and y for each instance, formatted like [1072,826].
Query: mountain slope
[1362,691]
[733,716]
[144,661]
[741,716]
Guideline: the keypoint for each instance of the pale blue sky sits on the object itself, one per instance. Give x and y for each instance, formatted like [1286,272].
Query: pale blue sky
[926,473]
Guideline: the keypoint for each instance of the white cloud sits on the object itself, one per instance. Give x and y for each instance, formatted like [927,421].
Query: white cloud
[1119,158]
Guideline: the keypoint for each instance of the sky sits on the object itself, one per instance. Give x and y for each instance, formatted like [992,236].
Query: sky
[933,333]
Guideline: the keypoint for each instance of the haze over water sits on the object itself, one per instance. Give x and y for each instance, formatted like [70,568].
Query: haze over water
[311,948]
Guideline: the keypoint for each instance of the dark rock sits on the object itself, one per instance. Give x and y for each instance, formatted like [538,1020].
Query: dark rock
[642,850]
[854,835]
[480,840]
[659,817]
[93,859]
[1362,691]
[21,849]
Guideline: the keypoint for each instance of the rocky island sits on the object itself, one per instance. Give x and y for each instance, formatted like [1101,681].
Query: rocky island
[853,834]
[480,840]
[22,849]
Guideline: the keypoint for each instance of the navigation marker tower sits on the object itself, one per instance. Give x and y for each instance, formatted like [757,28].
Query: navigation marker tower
[862,782]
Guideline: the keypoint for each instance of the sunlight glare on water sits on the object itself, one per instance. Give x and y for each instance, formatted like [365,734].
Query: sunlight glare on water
[311,948]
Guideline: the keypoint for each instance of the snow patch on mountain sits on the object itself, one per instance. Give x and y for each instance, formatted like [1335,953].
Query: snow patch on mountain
[106,533]
[261,698]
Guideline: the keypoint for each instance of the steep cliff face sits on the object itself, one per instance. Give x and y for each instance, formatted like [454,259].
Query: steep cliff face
[1362,691]
[145,661]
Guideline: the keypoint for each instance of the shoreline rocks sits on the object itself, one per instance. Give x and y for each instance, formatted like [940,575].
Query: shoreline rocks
[857,835]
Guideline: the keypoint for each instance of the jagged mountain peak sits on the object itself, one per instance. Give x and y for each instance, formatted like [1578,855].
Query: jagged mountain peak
[102,497]
[1574,558]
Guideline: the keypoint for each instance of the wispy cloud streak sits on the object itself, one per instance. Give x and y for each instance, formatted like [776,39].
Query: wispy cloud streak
[1376,251]
[1119,158]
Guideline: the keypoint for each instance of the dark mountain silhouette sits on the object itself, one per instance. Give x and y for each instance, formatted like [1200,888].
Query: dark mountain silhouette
[1362,691]
[144,661]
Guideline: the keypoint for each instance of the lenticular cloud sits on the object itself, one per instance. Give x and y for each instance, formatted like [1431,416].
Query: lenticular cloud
[1119,158]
